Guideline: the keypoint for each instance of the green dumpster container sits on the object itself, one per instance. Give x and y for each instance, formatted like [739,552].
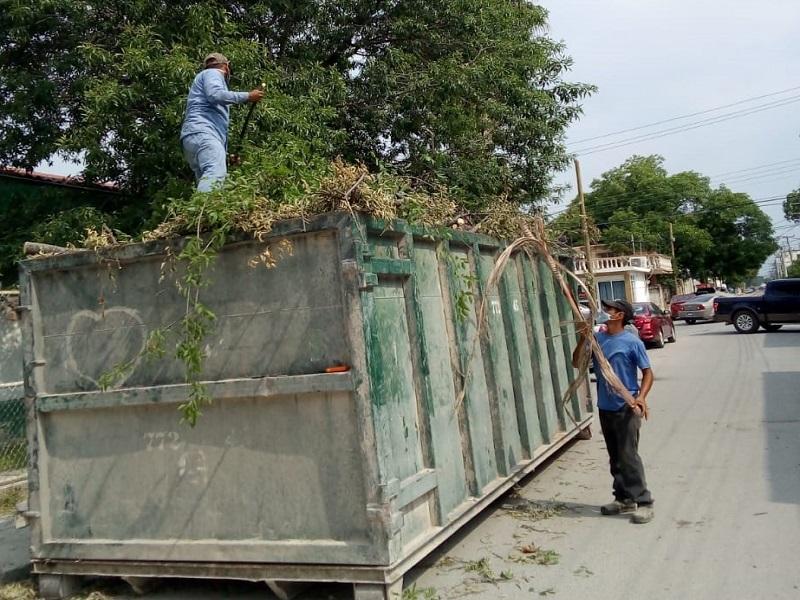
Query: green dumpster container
[292,474]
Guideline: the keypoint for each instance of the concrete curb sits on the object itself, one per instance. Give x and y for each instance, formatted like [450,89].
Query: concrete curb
[15,557]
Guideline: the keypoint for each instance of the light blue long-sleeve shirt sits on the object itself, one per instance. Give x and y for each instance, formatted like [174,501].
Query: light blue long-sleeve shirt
[207,106]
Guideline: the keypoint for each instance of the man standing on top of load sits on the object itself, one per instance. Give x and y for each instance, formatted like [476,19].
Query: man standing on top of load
[204,134]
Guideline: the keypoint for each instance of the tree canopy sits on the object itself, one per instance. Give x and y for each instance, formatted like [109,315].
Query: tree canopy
[794,269]
[718,232]
[55,215]
[791,206]
[466,93]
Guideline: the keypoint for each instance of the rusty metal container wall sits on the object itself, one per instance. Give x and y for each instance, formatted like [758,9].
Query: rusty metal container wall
[290,466]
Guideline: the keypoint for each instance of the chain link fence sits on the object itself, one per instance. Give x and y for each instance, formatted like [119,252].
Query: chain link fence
[13,444]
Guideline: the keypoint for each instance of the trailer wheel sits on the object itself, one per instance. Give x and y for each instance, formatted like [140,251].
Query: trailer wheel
[745,321]
[58,587]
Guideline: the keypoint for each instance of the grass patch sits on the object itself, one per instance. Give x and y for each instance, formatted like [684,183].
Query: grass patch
[13,455]
[8,501]
[95,595]
[414,593]
[18,591]
[26,590]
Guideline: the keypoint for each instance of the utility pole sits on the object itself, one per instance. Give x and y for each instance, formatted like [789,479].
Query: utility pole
[674,263]
[585,227]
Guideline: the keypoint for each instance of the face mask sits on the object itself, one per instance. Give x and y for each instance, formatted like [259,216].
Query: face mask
[602,317]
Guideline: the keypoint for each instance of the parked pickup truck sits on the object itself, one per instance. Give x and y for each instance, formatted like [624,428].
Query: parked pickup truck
[779,304]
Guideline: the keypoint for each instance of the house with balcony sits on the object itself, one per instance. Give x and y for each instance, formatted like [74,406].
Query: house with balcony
[637,277]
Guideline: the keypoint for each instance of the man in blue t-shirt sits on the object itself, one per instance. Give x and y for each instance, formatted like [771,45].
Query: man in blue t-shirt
[619,420]
[204,134]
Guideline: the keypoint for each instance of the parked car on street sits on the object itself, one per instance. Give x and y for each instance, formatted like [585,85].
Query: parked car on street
[704,288]
[699,308]
[654,325]
[676,304]
[779,304]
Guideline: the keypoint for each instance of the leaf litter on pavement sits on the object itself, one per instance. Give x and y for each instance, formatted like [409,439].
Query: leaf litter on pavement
[532,510]
[480,571]
[532,554]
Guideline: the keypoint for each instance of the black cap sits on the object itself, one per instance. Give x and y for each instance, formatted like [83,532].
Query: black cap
[621,305]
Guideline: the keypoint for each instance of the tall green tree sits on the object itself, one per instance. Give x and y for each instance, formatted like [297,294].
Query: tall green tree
[742,233]
[791,206]
[794,269]
[470,93]
[57,215]
[717,232]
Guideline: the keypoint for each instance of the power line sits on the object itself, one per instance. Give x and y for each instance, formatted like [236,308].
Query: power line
[749,176]
[686,127]
[611,200]
[756,168]
[686,116]
[779,174]
[618,200]
[701,211]
[629,195]
[786,227]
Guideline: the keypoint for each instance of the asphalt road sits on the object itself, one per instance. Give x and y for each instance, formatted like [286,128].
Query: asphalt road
[722,453]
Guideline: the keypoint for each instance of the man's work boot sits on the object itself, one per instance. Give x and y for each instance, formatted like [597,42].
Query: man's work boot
[617,508]
[643,514]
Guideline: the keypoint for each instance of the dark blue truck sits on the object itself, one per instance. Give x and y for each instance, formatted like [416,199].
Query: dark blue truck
[780,304]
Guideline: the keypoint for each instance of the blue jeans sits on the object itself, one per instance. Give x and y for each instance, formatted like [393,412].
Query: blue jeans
[207,158]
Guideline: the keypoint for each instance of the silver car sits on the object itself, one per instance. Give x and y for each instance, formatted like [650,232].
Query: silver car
[699,308]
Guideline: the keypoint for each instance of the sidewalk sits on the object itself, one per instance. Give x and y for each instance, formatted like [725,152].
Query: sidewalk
[14,551]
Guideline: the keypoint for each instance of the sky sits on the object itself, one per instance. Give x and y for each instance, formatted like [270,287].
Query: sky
[657,59]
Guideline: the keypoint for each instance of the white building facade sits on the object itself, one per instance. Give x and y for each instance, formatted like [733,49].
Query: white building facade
[635,278]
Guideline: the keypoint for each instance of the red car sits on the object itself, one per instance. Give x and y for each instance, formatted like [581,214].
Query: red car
[654,325]
[676,304]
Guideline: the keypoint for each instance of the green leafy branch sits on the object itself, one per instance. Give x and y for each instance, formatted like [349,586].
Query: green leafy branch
[464,295]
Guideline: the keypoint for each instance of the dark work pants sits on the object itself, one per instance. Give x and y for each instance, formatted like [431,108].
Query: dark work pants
[621,432]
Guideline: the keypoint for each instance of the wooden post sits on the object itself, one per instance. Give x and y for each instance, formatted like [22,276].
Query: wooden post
[674,263]
[585,227]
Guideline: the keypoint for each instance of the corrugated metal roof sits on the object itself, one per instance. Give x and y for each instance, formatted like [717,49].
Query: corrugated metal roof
[53,179]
